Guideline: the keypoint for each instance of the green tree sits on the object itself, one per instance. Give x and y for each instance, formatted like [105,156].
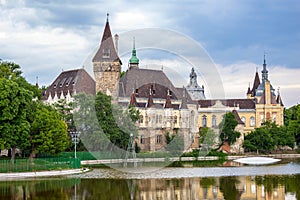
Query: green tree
[227,127]
[268,137]
[48,132]
[292,121]
[207,138]
[14,126]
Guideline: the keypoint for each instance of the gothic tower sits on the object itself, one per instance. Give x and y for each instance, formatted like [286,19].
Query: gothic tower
[107,64]
[196,92]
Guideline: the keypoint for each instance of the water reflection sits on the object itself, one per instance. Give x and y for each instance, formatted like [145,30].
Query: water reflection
[237,187]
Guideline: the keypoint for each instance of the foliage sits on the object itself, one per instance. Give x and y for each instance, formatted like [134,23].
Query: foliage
[229,189]
[48,132]
[14,127]
[176,144]
[292,121]
[227,127]
[267,138]
[219,154]
[104,126]
[207,138]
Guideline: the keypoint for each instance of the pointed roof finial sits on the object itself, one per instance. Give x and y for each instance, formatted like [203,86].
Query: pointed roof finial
[264,57]
[133,42]
[107,15]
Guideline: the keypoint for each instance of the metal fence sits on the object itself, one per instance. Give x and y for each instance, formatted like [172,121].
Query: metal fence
[39,164]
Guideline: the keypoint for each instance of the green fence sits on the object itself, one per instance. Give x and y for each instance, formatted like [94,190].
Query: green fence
[39,164]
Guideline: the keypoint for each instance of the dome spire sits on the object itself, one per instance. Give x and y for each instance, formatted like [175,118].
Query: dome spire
[264,72]
[134,61]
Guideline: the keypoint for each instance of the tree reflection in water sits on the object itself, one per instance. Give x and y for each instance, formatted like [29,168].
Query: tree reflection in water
[259,187]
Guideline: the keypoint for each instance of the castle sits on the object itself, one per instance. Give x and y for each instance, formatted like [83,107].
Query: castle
[165,108]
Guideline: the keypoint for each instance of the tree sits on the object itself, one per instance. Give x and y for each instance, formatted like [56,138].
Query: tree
[268,137]
[227,127]
[292,121]
[14,126]
[207,138]
[48,132]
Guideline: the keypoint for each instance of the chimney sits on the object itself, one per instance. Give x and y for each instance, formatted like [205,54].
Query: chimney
[117,43]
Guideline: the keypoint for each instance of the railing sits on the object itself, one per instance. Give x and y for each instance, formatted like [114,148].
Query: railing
[38,164]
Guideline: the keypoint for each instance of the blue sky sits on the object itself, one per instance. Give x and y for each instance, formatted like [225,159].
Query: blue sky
[46,37]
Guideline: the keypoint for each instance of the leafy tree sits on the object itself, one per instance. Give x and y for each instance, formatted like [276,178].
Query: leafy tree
[227,127]
[14,126]
[292,121]
[268,137]
[207,138]
[175,143]
[48,132]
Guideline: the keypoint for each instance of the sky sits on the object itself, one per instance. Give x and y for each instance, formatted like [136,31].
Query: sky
[45,37]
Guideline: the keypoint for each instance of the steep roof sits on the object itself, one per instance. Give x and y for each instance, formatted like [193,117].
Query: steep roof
[72,81]
[237,117]
[143,79]
[106,51]
[256,83]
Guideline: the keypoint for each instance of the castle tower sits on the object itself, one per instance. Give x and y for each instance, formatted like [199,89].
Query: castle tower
[268,106]
[107,64]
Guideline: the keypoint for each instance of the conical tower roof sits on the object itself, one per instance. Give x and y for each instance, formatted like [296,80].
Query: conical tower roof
[106,51]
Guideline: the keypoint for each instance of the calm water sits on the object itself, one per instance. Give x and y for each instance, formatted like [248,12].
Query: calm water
[281,181]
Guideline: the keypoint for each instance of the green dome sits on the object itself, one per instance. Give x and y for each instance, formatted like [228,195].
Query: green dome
[134,59]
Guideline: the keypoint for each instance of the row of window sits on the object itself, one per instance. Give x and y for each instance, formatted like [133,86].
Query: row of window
[156,119]
[214,121]
[158,139]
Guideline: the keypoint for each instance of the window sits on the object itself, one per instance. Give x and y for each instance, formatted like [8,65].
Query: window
[243,120]
[158,139]
[106,53]
[175,119]
[142,139]
[141,120]
[214,121]
[252,121]
[204,121]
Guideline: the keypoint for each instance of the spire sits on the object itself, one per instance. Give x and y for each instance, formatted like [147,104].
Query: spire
[264,72]
[134,61]
[184,100]
[278,99]
[168,103]
[150,99]
[133,101]
[107,51]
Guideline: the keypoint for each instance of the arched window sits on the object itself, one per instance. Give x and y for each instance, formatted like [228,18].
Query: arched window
[142,139]
[214,121]
[204,121]
[252,121]
[243,120]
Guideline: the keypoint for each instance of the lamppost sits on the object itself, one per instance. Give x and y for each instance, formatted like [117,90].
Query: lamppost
[75,139]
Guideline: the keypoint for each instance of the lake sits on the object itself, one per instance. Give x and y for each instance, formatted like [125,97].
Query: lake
[279,181]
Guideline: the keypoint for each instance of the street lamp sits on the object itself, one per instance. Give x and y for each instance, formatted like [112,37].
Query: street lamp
[75,139]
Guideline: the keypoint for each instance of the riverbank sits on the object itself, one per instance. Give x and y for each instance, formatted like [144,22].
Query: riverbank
[22,175]
[173,159]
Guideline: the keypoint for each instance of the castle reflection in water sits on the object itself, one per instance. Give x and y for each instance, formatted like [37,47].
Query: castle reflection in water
[218,188]
[211,188]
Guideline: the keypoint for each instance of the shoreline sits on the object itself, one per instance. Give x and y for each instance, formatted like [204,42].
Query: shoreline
[52,173]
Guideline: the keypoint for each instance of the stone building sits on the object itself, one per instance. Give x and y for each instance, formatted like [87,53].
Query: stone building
[67,84]
[163,107]
[106,63]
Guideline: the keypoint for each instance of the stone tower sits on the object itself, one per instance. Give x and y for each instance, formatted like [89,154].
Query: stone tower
[107,64]
[196,92]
